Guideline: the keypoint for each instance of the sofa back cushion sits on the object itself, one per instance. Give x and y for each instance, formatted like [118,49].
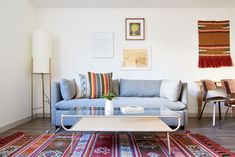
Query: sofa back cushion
[115,87]
[100,84]
[171,89]
[139,88]
[68,89]
[83,86]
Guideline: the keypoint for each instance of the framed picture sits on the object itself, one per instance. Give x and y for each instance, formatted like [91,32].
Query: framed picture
[136,59]
[102,44]
[135,29]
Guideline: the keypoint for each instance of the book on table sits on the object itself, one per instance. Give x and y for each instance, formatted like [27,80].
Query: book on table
[132,109]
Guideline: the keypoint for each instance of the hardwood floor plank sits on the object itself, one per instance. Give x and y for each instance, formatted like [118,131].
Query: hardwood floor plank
[224,136]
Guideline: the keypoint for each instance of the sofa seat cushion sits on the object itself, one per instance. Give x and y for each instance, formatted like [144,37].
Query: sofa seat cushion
[67,105]
[145,102]
[149,102]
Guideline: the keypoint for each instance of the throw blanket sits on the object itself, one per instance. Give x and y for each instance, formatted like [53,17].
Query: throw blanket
[214,44]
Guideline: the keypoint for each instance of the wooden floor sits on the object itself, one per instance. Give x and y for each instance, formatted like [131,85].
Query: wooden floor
[224,136]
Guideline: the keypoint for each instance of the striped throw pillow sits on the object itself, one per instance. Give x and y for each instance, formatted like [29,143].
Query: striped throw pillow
[83,86]
[100,84]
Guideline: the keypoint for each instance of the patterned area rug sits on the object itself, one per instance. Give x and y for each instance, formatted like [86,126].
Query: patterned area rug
[111,145]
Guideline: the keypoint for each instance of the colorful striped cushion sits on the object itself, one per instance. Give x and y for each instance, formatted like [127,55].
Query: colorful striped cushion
[83,86]
[100,84]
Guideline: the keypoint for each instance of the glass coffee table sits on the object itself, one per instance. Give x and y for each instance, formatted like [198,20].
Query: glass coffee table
[95,119]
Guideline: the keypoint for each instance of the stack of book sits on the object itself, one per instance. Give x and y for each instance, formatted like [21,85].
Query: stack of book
[132,109]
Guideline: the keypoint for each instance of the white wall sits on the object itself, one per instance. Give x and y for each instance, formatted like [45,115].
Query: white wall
[18,19]
[172,34]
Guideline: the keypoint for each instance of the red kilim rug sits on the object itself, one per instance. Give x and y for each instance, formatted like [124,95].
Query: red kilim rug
[111,145]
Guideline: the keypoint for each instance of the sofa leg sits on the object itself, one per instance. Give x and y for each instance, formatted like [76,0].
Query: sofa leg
[182,127]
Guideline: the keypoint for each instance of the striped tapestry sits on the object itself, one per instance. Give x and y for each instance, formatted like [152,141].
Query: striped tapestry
[100,84]
[214,44]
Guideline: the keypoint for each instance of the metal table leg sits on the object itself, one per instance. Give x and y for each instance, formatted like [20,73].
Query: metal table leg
[168,143]
[71,146]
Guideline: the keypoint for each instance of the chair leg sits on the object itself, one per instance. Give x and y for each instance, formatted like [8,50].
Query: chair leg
[202,110]
[225,116]
[219,110]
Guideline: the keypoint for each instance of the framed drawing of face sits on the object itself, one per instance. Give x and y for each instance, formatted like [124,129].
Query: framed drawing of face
[135,29]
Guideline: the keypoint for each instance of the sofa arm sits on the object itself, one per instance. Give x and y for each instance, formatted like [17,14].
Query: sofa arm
[56,97]
[184,94]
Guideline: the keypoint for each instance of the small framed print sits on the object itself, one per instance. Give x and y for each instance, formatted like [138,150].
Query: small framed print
[135,29]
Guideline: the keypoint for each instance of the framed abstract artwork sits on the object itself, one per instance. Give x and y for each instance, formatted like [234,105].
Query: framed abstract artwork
[102,44]
[135,29]
[136,59]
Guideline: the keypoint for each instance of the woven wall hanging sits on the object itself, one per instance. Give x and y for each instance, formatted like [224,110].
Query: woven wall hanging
[214,44]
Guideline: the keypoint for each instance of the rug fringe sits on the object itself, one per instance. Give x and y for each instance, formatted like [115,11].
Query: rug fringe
[213,146]
[8,139]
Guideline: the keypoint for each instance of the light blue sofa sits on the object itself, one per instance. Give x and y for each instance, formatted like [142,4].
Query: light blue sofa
[126,96]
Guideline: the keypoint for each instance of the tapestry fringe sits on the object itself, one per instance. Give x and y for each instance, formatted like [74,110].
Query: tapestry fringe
[214,61]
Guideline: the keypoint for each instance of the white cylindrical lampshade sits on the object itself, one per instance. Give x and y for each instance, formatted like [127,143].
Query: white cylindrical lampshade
[41,51]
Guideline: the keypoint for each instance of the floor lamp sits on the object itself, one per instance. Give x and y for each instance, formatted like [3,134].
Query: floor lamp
[41,65]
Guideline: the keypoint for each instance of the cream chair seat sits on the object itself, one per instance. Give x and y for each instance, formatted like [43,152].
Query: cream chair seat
[212,93]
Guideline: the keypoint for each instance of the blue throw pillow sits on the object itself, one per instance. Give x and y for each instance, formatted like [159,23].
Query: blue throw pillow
[68,89]
[140,88]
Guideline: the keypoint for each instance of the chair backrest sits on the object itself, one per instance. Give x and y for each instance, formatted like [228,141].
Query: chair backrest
[206,86]
[228,85]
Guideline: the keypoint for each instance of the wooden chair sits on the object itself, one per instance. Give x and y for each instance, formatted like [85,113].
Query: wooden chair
[211,93]
[229,86]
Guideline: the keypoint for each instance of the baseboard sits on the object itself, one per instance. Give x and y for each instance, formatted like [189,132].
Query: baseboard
[21,121]
[41,115]
[14,124]
[207,114]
